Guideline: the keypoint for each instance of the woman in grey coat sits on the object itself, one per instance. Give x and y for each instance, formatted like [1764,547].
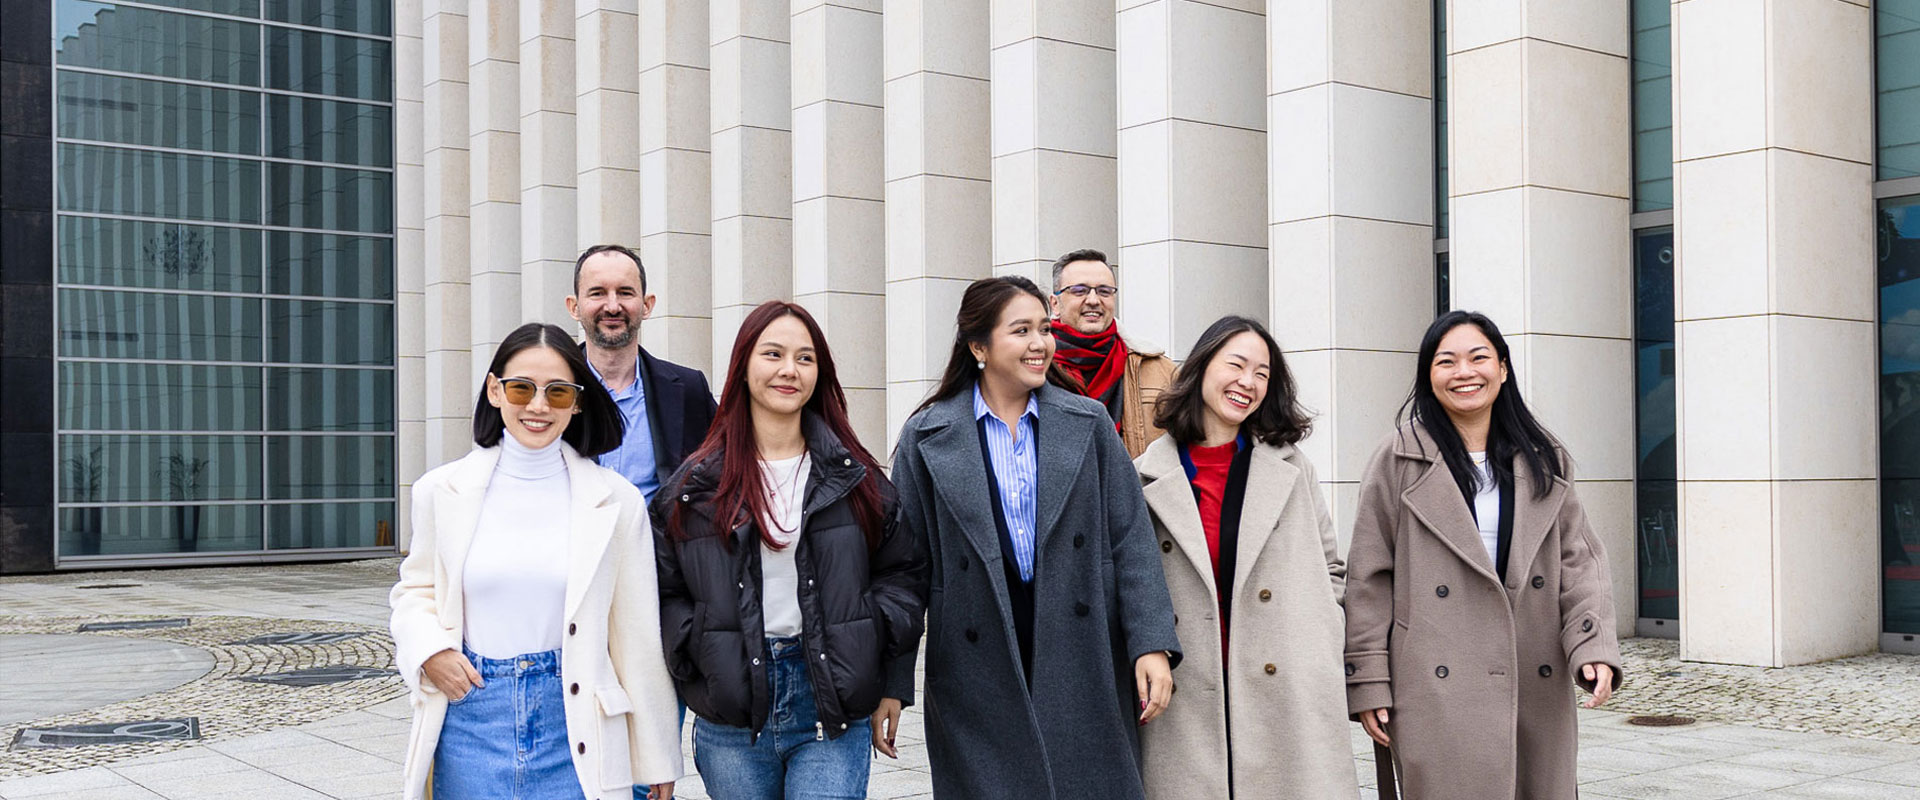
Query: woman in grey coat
[1049,630]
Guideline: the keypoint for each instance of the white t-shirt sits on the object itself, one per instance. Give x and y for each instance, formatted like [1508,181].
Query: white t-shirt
[514,582]
[1486,508]
[786,481]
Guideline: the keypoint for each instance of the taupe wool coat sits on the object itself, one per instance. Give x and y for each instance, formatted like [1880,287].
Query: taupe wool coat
[1476,671]
[1277,703]
[1099,604]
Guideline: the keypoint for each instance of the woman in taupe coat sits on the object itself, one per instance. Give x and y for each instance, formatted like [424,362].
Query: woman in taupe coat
[1476,589]
[1256,576]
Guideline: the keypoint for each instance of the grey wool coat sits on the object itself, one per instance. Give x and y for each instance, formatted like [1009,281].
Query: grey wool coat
[1477,672]
[1278,703]
[1099,603]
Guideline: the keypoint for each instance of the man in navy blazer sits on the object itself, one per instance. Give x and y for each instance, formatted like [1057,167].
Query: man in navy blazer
[667,407]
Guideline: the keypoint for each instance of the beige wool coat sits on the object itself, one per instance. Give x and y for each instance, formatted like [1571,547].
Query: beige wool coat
[1280,688]
[1477,672]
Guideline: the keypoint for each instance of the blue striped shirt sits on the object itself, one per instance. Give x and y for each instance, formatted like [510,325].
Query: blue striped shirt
[1016,467]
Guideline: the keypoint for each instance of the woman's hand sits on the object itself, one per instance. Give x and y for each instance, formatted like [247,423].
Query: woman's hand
[1153,679]
[886,725]
[1374,720]
[1602,677]
[660,791]
[452,674]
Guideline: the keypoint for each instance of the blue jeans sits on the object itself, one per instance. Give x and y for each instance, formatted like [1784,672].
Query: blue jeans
[793,758]
[507,740]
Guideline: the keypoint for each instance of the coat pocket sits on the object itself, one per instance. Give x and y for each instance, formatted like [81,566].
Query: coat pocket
[616,755]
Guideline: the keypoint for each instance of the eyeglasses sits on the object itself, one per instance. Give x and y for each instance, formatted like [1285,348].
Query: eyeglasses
[1081,290]
[520,391]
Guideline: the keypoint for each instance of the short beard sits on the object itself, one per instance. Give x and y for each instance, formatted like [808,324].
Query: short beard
[620,341]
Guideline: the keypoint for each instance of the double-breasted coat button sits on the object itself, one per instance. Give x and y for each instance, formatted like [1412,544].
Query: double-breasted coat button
[574,689]
[1546,671]
[1272,669]
[1539,581]
[963,565]
[1081,609]
[1440,672]
[583,748]
[1166,547]
[1586,626]
[973,635]
[1079,540]
[1265,595]
[1351,670]
[1440,590]
[571,629]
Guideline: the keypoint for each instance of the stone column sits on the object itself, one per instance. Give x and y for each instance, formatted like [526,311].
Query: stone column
[1540,177]
[1774,232]
[409,246]
[939,195]
[676,241]
[450,379]
[752,143]
[1350,149]
[547,166]
[493,139]
[1192,161]
[1055,185]
[839,219]
[607,154]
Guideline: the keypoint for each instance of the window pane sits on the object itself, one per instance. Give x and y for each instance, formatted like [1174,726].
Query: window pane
[326,332]
[327,467]
[232,8]
[150,325]
[326,63]
[313,525]
[360,16]
[109,180]
[158,255]
[114,468]
[330,399]
[153,42]
[149,530]
[311,129]
[1652,105]
[113,109]
[1899,238]
[330,265]
[1655,479]
[331,199]
[158,397]
[1897,79]
[1441,203]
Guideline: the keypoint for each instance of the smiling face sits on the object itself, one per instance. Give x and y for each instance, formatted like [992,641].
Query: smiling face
[1466,373]
[783,368]
[1235,382]
[1089,314]
[536,424]
[609,301]
[1021,348]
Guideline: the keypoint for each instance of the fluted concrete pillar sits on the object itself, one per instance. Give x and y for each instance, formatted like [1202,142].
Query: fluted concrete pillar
[939,194]
[1351,174]
[410,258]
[548,162]
[752,152]
[493,139]
[1774,232]
[450,377]
[607,146]
[1192,165]
[1055,185]
[675,172]
[839,219]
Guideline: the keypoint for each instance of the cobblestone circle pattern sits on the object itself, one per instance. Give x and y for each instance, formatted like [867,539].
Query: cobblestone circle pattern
[1867,697]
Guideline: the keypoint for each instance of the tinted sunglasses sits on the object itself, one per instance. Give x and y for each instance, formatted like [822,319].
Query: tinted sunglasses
[560,394]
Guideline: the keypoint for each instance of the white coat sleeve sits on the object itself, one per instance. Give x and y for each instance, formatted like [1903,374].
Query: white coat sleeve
[415,599]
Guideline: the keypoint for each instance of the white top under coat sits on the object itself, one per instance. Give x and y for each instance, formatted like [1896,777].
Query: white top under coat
[786,482]
[1486,508]
[516,569]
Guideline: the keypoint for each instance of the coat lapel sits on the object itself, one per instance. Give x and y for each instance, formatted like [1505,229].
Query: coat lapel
[1435,500]
[1170,497]
[594,514]
[665,413]
[952,456]
[1270,481]
[1532,517]
[1064,442]
[458,515]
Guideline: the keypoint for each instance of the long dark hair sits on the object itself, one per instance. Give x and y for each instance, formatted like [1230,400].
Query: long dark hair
[1514,431]
[979,313]
[1181,411]
[598,427]
[741,493]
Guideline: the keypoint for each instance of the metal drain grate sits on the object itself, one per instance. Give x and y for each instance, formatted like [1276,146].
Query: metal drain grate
[303,638]
[137,625]
[1660,720]
[319,676]
[108,586]
[152,730]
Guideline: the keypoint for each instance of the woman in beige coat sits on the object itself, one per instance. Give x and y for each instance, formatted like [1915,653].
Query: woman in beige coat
[1251,563]
[1477,589]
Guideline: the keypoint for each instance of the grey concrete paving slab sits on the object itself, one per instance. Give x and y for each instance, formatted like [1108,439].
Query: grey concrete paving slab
[1711,780]
[51,674]
[1840,789]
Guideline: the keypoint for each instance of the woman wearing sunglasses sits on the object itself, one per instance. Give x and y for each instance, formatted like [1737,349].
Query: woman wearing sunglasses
[526,618]
[791,599]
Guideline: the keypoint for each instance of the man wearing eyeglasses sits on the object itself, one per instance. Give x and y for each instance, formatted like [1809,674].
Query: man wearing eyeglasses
[667,407]
[1125,377]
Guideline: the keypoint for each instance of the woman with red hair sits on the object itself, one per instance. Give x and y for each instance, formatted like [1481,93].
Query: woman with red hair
[790,599]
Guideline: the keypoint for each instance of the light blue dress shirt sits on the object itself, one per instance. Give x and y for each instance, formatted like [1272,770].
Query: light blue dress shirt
[1016,468]
[633,459]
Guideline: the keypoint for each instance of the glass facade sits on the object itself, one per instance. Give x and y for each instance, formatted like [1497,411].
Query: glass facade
[224,313]
[1656,488]
[1896,25]
[1899,274]
[1652,105]
[1440,203]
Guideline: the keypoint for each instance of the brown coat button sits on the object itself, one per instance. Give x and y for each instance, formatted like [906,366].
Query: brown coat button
[1265,595]
[572,629]
[583,748]
[1272,669]
[574,689]
[1166,547]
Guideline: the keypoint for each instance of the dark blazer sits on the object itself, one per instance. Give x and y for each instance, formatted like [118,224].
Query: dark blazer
[1100,602]
[680,408]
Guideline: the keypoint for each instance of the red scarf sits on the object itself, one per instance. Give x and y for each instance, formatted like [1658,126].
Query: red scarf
[1098,361]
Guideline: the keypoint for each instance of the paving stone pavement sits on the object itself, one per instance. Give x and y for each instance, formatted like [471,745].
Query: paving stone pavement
[1845,729]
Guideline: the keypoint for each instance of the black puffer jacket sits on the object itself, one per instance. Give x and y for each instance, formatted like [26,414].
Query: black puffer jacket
[864,612]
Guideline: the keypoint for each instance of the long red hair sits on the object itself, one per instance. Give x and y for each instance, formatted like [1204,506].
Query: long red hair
[741,493]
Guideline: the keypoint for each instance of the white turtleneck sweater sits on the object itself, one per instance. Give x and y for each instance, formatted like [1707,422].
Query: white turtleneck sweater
[515,578]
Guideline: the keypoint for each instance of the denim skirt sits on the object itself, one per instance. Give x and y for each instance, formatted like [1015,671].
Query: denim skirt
[507,739]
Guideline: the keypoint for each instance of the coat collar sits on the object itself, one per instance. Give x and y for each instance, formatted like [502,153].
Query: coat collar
[1435,500]
[832,474]
[1170,496]
[593,506]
